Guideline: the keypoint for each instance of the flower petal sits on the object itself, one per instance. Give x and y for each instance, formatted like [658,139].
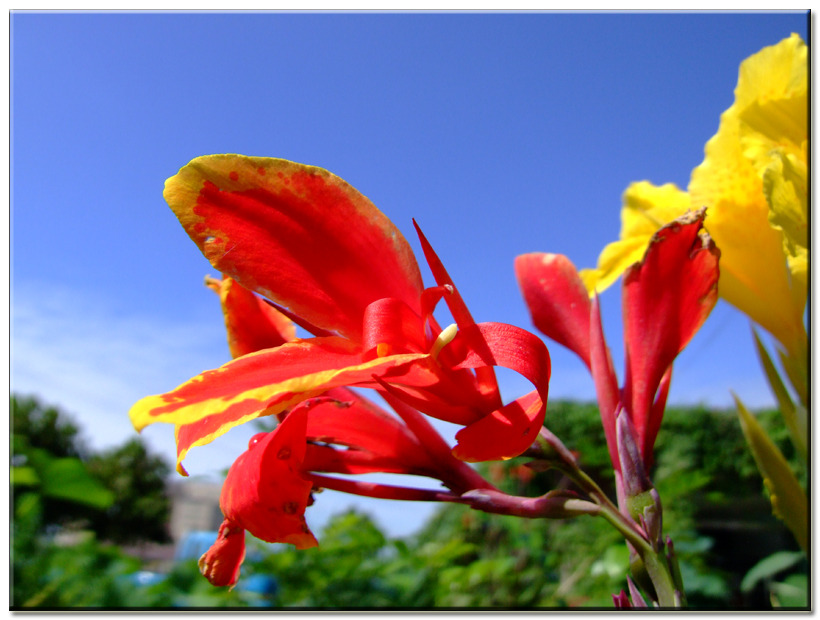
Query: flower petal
[268,382]
[646,208]
[264,492]
[252,325]
[220,564]
[666,298]
[557,299]
[510,430]
[606,382]
[296,234]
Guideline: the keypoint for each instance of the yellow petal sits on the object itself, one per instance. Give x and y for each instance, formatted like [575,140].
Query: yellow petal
[755,275]
[646,208]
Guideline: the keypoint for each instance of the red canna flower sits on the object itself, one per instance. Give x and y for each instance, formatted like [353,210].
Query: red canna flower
[326,258]
[666,298]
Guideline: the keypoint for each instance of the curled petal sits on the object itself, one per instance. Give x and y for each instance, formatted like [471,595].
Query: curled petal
[265,492]
[220,564]
[391,327]
[295,234]
[510,430]
[666,298]
[557,299]
[252,325]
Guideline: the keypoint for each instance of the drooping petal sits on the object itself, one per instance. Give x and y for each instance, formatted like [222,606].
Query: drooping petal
[511,429]
[646,208]
[220,564]
[268,382]
[666,298]
[264,492]
[295,234]
[558,302]
[252,325]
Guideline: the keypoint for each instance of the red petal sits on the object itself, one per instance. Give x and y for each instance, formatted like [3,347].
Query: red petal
[557,299]
[264,491]
[392,327]
[606,383]
[487,383]
[666,298]
[360,423]
[296,234]
[510,430]
[221,563]
[252,325]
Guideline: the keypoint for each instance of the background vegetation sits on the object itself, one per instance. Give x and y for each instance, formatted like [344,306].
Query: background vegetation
[73,511]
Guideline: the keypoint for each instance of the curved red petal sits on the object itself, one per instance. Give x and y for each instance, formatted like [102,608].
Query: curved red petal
[510,430]
[296,234]
[557,299]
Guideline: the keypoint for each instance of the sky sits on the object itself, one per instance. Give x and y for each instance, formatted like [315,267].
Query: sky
[500,133]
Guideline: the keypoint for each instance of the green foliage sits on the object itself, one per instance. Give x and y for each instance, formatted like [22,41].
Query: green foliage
[715,510]
[119,493]
[141,510]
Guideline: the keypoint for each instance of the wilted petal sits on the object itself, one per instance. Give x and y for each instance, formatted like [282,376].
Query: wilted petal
[296,234]
[252,325]
[220,564]
[666,298]
[557,300]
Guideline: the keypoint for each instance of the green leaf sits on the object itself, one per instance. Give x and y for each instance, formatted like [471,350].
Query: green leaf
[67,478]
[769,566]
[788,499]
[791,592]
[24,476]
[793,416]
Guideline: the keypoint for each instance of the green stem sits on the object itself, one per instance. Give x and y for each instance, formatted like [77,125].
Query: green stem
[656,565]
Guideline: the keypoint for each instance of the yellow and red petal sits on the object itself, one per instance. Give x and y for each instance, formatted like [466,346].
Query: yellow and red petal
[557,299]
[268,382]
[666,298]
[509,430]
[265,492]
[252,325]
[220,564]
[296,234]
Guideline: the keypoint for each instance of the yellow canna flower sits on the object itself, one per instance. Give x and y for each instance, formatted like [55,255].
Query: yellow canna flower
[753,181]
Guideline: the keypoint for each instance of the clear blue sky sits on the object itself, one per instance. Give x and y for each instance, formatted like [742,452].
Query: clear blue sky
[500,133]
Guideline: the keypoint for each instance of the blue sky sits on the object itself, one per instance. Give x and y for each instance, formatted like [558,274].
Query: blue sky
[500,134]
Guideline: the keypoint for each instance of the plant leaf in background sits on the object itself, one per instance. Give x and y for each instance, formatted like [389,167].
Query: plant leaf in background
[793,415]
[789,501]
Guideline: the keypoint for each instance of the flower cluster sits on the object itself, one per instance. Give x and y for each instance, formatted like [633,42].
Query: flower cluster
[299,248]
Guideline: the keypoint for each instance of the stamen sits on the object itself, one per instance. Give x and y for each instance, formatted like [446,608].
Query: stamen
[444,338]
